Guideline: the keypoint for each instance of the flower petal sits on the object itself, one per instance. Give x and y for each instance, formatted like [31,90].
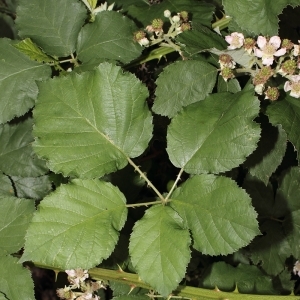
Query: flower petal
[275,41]
[261,41]
[258,52]
[267,61]
[280,52]
[287,86]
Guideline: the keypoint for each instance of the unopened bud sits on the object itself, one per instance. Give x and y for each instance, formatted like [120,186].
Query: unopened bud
[176,19]
[167,13]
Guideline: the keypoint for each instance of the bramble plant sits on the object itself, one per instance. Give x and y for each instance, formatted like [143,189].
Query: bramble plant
[150,147]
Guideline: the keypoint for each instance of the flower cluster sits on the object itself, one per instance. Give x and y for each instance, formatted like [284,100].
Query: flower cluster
[78,280]
[266,52]
[156,32]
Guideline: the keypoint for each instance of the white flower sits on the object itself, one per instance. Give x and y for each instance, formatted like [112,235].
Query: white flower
[268,49]
[235,40]
[296,269]
[296,49]
[294,86]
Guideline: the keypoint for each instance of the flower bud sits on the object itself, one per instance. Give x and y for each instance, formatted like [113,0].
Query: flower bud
[176,19]
[167,13]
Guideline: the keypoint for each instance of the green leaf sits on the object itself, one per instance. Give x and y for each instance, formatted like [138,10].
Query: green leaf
[287,196]
[232,85]
[15,215]
[248,279]
[159,248]
[88,124]
[32,187]
[181,84]
[271,249]
[16,154]
[131,297]
[15,281]
[265,14]
[144,13]
[262,196]
[287,114]
[122,289]
[18,81]
[214,135]
[200,39]
[218,213]
[291,227]
[33,51]
[77,225]
[240,56]
[53,25]
[6,187]
[269,153]
[110,36]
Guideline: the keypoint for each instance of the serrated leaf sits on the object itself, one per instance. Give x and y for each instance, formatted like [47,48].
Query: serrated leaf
[159,248]
[248,279]
[287,114]
[15,281]
[265,12]
[144,13]
[123,290]
[33,51]
[240,56]
[291,227]
[110,36]
[272,249]
[232,85]
[6,187]
[17,157]
[15,215]
[200,39]
[218,213]
[88,124]
[181,84]
[53,25]
[262,196]
[287,196]
[32,187]
[73,221]
[269,153]
[214,135]
[18,78]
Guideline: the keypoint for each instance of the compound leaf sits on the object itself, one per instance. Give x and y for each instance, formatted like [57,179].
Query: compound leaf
[18,78]
[15,281]
[287,114]
[218,213]
[77,225]
[15,215]
[95,40]
[266,14]
[51,24]
[17,157]
[214,135]
[87,124]
[181,84]
[159,248]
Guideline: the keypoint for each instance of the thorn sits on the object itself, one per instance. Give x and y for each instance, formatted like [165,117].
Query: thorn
[132,287]
[120,269]
[216,289]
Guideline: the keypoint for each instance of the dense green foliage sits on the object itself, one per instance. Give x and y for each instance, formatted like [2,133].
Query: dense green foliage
[182,177]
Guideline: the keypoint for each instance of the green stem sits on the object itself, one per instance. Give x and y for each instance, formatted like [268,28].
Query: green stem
[143,204]
[174,185]
[185,292]
[222,23]
[146,179]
